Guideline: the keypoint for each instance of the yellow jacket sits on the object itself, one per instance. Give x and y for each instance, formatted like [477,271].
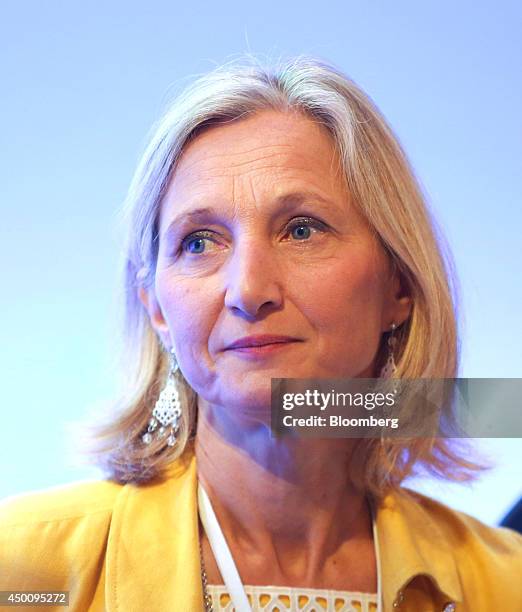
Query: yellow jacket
[135,548]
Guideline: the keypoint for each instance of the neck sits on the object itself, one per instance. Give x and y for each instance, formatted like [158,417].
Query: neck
[289,499]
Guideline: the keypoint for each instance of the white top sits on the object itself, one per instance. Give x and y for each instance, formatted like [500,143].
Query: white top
[281,599]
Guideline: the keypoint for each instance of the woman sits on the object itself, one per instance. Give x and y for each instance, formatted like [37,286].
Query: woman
[275,231]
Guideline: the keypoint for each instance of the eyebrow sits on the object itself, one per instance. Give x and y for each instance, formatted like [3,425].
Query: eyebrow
[284,203]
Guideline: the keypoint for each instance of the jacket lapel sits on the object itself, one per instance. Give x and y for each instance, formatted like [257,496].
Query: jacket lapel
[411,543]
[153,547]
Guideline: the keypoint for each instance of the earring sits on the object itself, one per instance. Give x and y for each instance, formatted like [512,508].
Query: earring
[389,367]
[167,410]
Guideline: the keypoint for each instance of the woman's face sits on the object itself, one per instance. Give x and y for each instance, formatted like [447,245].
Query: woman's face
[259,237]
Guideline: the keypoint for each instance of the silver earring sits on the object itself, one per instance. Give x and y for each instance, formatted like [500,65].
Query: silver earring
[389,367]
[167,409]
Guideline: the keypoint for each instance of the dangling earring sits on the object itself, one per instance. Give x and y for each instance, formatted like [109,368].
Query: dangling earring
[389,367]
[167,410]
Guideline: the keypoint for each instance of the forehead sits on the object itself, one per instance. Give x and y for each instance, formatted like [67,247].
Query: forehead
[251,153]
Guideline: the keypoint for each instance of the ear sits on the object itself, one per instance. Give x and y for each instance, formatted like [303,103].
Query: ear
[399,301]
[157,320]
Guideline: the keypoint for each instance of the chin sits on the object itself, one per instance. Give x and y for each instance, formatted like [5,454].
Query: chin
[249,402]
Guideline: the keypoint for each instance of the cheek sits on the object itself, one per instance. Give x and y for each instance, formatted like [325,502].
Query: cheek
[189,314]
[345,290]
[344,306]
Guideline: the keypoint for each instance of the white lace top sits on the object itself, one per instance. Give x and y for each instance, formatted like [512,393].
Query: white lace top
[282,599]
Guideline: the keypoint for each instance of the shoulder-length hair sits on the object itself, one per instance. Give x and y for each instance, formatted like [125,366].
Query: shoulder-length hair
[387,193]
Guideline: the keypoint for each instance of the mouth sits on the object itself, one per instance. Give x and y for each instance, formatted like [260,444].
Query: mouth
[263,342]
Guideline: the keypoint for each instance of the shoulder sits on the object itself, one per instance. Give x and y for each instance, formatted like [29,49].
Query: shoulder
[46,535]
[462,529]
[71,501]
[459,549]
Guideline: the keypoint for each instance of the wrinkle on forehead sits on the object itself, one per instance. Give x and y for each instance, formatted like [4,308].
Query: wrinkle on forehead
[296,149]
[281,126]
[229,162]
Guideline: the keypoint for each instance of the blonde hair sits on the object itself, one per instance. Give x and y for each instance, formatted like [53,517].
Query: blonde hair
[384,187]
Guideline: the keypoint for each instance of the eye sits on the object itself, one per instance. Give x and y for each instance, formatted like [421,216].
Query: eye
[301,229]
[196,245]
[196,242]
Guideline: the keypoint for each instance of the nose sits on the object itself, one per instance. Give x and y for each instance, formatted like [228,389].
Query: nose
[253,280]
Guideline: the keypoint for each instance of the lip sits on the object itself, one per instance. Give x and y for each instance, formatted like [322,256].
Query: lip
[262,340]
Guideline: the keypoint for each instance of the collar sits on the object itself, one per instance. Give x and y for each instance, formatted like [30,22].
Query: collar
[412,543]
[153,545]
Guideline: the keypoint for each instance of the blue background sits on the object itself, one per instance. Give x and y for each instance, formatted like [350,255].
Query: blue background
[81,85]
